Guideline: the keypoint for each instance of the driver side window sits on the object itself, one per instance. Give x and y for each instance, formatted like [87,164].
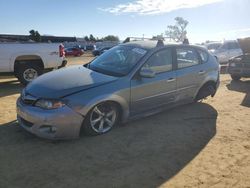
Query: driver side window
[160,61]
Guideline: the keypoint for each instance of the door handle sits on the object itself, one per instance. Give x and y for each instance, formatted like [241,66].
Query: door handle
[201,72]
[170,80]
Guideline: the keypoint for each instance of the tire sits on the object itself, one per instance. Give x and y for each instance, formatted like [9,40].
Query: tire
[205,91]
[28,72]
[101,119]
[235,77]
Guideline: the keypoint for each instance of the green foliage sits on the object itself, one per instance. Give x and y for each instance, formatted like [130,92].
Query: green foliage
[178,31]
[111,38]
[35,36]
[86,38]
[157,37]
[92,38]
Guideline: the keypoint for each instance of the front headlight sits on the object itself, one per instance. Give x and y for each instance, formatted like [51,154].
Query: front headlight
[49,103]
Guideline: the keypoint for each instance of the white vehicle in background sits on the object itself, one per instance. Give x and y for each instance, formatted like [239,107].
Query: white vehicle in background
[212,46]
[29,60]
[226,51]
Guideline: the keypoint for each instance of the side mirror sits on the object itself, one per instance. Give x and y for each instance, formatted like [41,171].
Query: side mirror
[147,73]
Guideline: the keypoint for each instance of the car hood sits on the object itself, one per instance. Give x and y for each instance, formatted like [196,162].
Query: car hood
[66,81]
[245,45]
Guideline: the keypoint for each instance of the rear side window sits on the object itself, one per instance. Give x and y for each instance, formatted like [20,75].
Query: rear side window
[186,57]
[160,61]
[203,55]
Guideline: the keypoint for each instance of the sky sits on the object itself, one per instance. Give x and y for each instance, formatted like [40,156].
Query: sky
[208,19]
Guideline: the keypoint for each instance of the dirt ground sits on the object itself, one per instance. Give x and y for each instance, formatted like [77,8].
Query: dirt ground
[198,145]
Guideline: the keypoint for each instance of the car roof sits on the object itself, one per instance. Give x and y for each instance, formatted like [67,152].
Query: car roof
[230,41]
[152,44]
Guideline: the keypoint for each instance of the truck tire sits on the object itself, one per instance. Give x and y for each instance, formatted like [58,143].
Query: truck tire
[28,72]
[235,77]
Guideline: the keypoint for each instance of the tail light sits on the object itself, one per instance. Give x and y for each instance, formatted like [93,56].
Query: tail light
[61,50]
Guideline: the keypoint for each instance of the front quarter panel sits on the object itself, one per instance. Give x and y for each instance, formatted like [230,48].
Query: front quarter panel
[118,91]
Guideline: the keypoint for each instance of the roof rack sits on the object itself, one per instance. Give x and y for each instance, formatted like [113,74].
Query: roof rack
[159,40]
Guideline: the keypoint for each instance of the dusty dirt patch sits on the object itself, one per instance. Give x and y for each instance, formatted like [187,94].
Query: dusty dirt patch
[198,145]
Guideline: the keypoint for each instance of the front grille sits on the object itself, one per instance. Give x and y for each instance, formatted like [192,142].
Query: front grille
[26,123]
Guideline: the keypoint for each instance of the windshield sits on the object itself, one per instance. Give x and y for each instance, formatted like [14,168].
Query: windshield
[117,61]
[213,46]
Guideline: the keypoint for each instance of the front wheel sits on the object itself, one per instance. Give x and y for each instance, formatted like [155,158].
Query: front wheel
[101,118]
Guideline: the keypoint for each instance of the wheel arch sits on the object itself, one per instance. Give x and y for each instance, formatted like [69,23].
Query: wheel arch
[118,100]
[209,82]
[28,59]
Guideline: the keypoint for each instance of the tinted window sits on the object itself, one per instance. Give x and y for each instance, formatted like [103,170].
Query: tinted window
[203,55]
[160,61]
[186,57]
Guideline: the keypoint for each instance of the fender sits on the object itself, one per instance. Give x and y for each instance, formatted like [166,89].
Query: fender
[113,98]
[16,55]
[211,77]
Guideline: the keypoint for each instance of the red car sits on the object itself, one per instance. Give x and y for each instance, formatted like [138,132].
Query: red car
[73,52]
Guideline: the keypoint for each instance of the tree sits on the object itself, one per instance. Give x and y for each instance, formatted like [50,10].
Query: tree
[178,31]
[111,38]
[157,37]
[34,35]
[86,38]
[92,38]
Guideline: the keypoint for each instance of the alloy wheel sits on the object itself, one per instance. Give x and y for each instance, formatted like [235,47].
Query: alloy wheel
[103,117]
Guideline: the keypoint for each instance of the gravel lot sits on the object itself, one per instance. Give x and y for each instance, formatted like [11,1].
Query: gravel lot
[198,145]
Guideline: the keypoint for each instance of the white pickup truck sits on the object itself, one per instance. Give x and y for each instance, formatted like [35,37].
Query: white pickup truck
[29,60]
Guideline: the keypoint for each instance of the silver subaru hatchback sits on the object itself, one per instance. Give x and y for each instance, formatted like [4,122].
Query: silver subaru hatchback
[129,81]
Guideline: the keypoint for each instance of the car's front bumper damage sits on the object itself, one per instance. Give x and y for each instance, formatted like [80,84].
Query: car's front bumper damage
[61,123]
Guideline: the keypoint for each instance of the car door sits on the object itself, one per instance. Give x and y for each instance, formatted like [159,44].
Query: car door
[189,73]
[150,93]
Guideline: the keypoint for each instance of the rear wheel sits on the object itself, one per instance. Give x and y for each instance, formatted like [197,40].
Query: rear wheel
[235,77]
[101,118]
[205,91]
[28,72]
